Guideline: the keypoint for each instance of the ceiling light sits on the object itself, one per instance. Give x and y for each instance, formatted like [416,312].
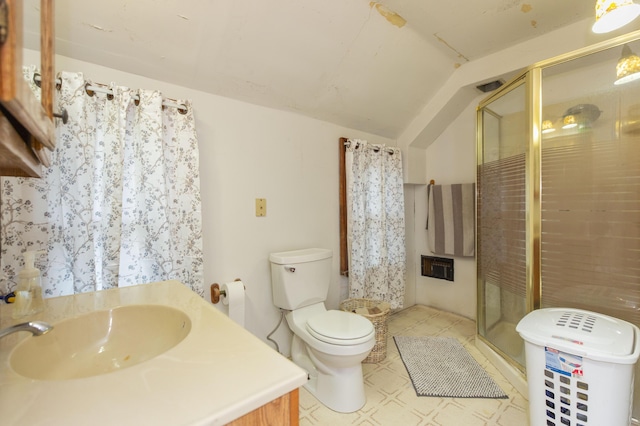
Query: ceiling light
[628,68]
[547,126]
[581,115]
[612,14]
[569,122]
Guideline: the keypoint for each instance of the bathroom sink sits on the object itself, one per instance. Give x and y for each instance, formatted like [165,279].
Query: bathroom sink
[101,342]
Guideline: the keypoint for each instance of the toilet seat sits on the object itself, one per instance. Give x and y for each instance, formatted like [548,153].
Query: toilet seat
[340,328]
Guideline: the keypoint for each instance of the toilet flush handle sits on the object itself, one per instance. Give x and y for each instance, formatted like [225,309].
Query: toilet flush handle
[290,268]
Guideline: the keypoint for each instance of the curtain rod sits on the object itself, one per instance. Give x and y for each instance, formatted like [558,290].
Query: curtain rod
[374,147]
[103,88]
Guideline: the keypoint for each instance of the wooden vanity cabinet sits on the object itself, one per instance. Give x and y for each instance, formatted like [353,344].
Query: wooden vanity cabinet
[27,130]
[283,411]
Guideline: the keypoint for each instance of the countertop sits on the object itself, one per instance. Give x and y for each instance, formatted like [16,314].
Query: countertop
[218,373]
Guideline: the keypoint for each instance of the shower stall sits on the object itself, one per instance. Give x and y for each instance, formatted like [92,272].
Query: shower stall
[558,181]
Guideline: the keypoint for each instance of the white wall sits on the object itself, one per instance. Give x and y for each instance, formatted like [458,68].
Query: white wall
[249,152]
[410,244]
[450,159]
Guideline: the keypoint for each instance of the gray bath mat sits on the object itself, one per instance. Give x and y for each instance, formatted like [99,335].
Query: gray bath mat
[441,366]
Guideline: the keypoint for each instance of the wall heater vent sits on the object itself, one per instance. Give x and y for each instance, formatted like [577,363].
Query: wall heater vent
[437,267]
[490,86]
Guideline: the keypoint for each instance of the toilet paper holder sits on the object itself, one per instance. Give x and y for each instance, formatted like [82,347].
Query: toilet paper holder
[216,292]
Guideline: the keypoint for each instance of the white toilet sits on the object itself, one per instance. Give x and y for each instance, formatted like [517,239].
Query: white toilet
[330,345]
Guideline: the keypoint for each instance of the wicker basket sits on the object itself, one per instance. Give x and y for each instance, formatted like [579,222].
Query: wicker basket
[379,320]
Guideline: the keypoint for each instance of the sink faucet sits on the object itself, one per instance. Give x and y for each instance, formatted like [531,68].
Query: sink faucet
[38,328]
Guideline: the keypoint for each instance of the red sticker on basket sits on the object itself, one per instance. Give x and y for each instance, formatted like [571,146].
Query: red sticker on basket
[563,363]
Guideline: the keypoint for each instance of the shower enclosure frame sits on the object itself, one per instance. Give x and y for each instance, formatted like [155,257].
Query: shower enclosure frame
[531,79]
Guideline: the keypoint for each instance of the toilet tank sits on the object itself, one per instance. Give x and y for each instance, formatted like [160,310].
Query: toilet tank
[301,277]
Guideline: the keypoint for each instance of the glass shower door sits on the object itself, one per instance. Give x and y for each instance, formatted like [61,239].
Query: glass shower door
[501,221]
[591,189]
[559,193]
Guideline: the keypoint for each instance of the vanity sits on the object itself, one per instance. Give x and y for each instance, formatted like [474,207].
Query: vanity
[164,356]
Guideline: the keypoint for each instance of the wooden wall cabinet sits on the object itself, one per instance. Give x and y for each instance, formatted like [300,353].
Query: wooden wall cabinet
[27,130]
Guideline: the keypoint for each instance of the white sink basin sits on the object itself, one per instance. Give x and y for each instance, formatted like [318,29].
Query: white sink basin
[101,342]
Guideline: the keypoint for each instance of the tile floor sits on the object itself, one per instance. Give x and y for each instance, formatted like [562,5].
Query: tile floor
[391,399]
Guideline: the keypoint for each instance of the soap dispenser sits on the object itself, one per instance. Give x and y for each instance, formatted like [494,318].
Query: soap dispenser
[28,292]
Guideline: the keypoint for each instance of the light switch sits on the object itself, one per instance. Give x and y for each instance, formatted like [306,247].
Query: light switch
[261,207]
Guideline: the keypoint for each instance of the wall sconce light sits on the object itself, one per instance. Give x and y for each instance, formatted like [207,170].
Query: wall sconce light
[628,68]
[614,14]
[547,126]
[569,122]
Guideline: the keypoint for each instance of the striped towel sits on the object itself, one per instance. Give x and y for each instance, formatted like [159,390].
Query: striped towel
[451,219]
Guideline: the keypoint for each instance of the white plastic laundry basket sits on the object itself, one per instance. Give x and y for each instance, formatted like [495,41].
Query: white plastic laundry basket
[580,367]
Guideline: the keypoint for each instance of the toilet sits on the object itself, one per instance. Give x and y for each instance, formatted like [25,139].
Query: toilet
[329,344]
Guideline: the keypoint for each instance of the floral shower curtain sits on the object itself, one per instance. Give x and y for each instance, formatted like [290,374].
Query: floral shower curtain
[375,222]
[120,204]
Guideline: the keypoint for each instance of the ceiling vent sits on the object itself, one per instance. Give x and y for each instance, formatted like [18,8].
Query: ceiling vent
[490,86]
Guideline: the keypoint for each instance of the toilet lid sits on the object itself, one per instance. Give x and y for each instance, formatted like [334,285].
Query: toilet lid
[340,328]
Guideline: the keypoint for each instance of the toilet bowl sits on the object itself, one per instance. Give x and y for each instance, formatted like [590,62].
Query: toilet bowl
[331,345]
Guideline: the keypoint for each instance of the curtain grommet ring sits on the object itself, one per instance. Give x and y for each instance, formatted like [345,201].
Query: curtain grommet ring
[182,109]
[89,91]
[37,80]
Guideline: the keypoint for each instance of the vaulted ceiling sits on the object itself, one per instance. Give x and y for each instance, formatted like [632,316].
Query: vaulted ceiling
[365,65]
